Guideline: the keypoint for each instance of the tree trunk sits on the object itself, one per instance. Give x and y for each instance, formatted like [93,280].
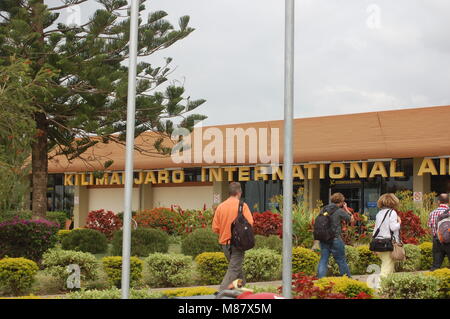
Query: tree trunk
[39,164]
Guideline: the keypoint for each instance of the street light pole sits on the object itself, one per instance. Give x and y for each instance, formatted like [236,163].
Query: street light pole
[129,176]
[288,154]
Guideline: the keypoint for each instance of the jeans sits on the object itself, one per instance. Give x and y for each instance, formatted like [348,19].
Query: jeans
[439,253]
[235,259]
[337,249]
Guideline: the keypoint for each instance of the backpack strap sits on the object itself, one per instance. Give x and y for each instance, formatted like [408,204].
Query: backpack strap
[241,208]
[378,229]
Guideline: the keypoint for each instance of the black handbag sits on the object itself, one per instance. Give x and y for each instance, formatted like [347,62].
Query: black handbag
[381,244]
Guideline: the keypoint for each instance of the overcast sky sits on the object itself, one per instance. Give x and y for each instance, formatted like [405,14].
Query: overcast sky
[351,56]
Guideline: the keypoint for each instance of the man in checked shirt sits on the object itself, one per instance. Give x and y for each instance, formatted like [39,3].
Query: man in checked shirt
[439,250]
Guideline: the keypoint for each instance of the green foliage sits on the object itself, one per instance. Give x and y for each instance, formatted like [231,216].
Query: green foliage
[169,270]
[113,293]
[352,256]
[304,260]
[443,275]
[426,253]
[262,265]
[409,286]
[62,233]
[17,275]
[366,258]
[58,217]
[113,269]
[188,292]
[85,240]
[412,261]
[211,267]
[347,286]
[19,86]
[200,241]
[56,261]
[144,241]
[271,242]
[10,215]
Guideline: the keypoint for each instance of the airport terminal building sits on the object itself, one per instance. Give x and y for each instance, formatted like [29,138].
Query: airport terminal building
[361,155]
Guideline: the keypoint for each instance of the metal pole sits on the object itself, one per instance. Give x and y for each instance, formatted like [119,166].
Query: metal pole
[288,156]
[131,107]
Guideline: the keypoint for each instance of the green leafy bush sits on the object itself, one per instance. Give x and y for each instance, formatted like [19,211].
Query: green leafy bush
[202,240]
[61,234]
[443,275]
[10,215]
[347,286]
[113,293]
[56,261]
[262,265]
[409,286]
[57,217]
[27,238]
[113,269]
[85,240]
[366,258]
[352,257]
[17,275]
[144,241]
[304,260]
[211,267]
[412,262]
[188,292]
[426,255]
[169,270]
[271,242]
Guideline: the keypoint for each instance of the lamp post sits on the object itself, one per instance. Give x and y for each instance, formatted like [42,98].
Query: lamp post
[131,108]
[288,154]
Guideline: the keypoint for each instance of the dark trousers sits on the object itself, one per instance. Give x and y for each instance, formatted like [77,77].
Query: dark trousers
[337,249]
[439,253]
[235,259]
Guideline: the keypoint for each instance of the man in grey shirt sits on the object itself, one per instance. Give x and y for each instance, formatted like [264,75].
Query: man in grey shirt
[336,247]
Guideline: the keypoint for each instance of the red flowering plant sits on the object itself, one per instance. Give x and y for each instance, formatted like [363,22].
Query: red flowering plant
[267,223]
[411,229]
[162,218]
[192,219]
[356,231]
[105,222]
[303,288]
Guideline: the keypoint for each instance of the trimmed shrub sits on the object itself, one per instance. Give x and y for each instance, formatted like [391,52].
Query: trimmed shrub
[85,240]
[188,292]
[304,261]
[27,238]
[113,269]
[57,217]
[113,293]
[211,267]
[56,262]
[412,261]
[352,257]
[61,234]
[409,286]
[426,255]
[270,242]
[169,270]
[144,241]
[262,265]
[366,258]
[17,275]
[200,241]
[105,222]
[351,288]
[443,275]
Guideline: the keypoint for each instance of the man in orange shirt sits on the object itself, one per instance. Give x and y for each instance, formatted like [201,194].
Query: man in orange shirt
[224,216]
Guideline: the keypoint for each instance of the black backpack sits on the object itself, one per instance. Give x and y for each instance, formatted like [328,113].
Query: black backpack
[242,232]
[323,229]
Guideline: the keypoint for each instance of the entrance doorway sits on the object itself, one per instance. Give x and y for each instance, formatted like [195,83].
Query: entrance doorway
[352,194]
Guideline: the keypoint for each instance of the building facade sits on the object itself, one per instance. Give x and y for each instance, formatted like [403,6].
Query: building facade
[361,155]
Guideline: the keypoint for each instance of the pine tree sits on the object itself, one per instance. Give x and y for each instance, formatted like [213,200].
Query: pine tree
[88,91]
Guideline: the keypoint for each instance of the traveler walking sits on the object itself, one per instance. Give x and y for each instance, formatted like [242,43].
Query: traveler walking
[440,249]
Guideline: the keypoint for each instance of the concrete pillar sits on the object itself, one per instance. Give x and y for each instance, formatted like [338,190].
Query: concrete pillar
[145,196]
[421,184]
[312,189]
[81,206]
[220,192]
